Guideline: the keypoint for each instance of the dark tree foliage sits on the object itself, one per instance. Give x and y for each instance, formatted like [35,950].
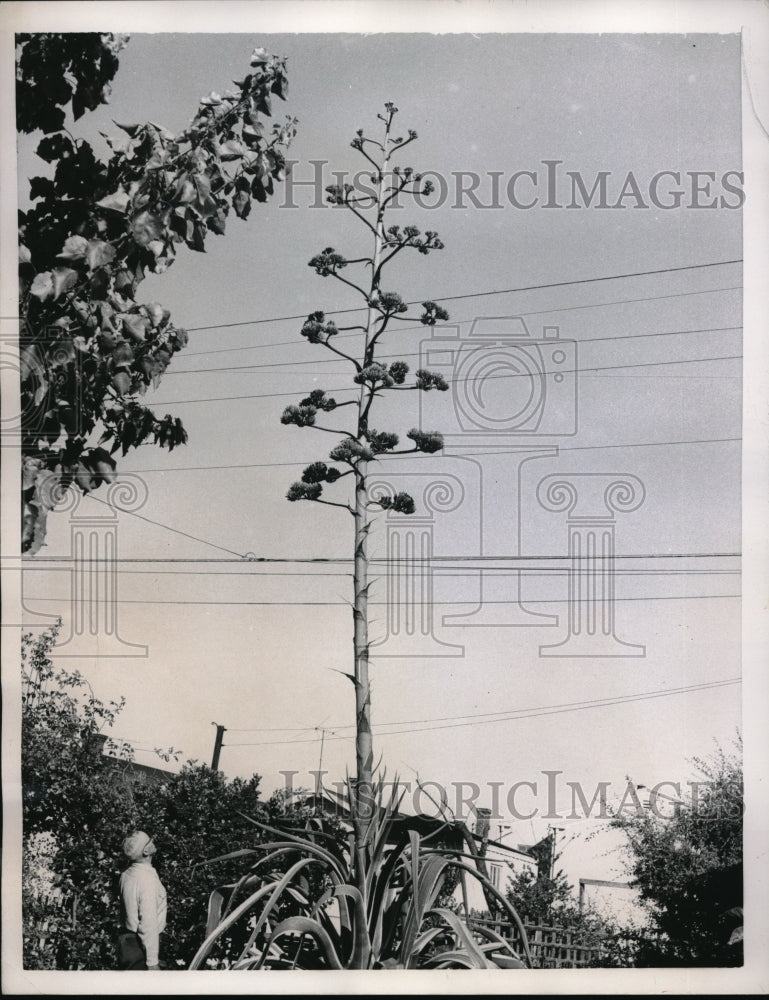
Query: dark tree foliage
[79,804]
[542,900]
[687,866]
[55,71]
[89,349]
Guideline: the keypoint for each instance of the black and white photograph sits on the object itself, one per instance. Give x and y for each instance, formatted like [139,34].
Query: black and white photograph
[384,484]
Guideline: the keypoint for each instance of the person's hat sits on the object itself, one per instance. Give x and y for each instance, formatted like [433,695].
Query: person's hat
[135,844]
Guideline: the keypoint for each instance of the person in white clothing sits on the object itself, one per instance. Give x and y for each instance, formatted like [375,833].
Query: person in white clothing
[144,906]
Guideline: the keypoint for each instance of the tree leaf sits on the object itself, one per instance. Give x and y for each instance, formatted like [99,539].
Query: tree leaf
[135,325]
[233,149]
[242,204]
[63,279]
[41,187]
[74,248]
[146,227]
[130,129]
[42,286]
[117,202]
[158,314]
[98,253]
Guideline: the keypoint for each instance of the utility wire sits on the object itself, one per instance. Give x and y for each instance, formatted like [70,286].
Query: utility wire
[248,368]
[532,312]
[621,700]
[457,381]
[383,604]
[530,571]
[584,447]
[33,561]
[167,527]
[489,715]
[478,295]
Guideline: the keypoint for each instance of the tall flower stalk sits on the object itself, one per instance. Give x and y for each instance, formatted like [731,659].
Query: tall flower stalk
[362,443]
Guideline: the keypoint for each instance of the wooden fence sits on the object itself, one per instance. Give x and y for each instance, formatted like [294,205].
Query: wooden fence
[566,947]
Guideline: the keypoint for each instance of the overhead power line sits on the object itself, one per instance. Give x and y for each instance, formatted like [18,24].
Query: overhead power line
[247,368]
[528,312]
[383,604]
[493,715]
[455,381]
[176,531]
[512,716]
[584,447]
[486,294]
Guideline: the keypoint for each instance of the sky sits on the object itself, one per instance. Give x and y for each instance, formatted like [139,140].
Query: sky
[646,300]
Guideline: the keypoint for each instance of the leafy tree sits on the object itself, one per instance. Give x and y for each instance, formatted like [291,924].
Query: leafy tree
[89,349]
[361,443]
[56,71]
[70,800]
[687,865]
[541,899]
[78,805]
[195,816]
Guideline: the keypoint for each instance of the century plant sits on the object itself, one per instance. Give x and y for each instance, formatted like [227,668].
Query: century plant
[362,443]
[372,893]
[305,902]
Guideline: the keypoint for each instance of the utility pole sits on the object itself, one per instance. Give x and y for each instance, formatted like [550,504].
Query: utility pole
[220,731]
[554,831]
[318,778]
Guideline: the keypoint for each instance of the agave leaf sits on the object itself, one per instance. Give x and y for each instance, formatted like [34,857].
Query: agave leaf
[202,953]
[446,825]
[310,927]
[393,919]
[308,845]
[426,888]
[426,937]
[251,875]
[321,901]
[298,895]
[414,845]
[278,887]
[507,962]
[462,935]
[215,904]
[379,886]
[506,905]
[242,853]
[381,845]
[248,879]
[451,960]
[496,940]
[246,963]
